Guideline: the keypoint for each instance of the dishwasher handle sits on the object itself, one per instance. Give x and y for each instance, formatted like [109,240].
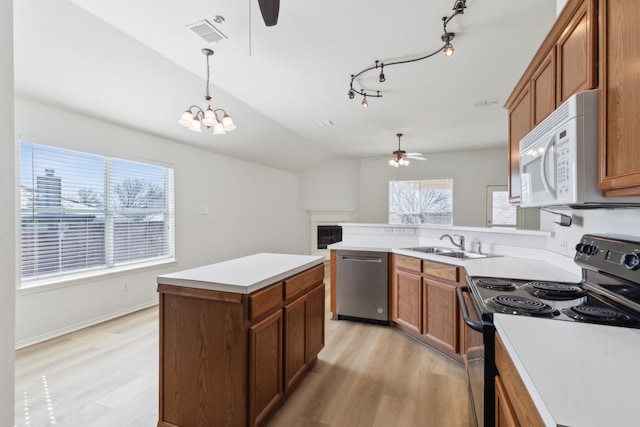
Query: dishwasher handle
[477,326]
[360,259]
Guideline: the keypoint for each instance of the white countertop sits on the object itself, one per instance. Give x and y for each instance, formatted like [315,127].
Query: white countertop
[242,275]
[494,266]
[578,374]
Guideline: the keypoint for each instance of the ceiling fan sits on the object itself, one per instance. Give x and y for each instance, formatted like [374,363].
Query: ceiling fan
[401,157]
[269,10]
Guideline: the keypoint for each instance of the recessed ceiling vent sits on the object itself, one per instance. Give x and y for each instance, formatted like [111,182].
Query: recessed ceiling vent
[207,31]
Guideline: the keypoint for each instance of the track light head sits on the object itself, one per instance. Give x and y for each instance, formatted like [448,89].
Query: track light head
[365,104]
[351,94]
[448,50]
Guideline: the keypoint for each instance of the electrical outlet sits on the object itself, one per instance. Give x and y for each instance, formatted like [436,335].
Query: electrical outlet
[125,286]
[388,230]
[410,231]
[204,211]
[563,246]
[398,231]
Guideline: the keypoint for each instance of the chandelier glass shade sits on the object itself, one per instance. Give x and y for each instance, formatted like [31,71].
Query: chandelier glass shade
[194,117]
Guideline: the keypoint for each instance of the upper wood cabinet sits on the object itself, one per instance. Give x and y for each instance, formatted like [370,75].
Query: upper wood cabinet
[565,64]
[577,52]
[619,76]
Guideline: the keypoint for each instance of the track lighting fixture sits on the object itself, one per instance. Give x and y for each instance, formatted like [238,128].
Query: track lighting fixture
[458,9]
[194,117]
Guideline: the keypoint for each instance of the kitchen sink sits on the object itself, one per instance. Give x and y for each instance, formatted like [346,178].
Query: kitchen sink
[465,255]
[435,250]
[430,250]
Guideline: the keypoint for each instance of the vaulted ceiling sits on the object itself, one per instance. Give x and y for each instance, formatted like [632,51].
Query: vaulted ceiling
[137,64]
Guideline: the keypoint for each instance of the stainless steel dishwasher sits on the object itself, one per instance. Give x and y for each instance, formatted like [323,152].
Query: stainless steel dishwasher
[362,292]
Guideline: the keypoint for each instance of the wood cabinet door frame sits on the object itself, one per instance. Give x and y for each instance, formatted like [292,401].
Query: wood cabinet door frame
[263,362]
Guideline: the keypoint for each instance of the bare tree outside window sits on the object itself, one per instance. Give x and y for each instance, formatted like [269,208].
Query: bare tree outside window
[427,201]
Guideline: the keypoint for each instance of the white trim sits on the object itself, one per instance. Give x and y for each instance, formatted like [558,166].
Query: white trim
[57,282]
[325,218]
[82,325]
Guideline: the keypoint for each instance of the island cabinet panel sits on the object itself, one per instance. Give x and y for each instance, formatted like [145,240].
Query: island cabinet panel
[202,382]
[265,367]
[229,359]
[505,415]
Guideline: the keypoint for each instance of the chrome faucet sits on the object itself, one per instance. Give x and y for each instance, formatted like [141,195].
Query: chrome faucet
[459,245]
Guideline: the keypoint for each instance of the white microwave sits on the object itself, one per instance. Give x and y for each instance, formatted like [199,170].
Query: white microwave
[559,159]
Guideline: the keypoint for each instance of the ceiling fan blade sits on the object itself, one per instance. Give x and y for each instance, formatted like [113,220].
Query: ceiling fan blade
[269,10]
[414,154]
[416,158]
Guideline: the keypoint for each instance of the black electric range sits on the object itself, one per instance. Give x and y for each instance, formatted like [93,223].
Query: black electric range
[608,294]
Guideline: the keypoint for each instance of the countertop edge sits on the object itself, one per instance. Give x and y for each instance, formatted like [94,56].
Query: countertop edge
[239,288]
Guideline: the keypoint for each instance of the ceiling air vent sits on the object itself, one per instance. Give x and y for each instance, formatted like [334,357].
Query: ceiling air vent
[207,31]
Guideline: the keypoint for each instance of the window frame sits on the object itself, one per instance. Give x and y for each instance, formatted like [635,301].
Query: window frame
[111,267]
[420,183]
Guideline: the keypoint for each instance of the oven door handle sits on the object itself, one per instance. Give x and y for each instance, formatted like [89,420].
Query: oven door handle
[477,326]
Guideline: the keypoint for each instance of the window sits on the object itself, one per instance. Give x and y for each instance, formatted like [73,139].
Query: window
[82,212]
[499,212]
[427,201]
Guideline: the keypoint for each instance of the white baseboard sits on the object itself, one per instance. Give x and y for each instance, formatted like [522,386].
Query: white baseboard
[82,325]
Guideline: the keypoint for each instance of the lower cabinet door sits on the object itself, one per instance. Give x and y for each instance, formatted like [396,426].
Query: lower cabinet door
[294,341]
[409,300]
[505,415]
[315,322]
[440,314]
[265,367]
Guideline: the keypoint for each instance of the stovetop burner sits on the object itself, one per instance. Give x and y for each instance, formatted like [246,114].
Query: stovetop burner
[602,315]
[514,304]
[495,284]
[554,291]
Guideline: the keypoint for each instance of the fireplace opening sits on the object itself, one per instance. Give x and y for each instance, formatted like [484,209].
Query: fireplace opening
[328,234]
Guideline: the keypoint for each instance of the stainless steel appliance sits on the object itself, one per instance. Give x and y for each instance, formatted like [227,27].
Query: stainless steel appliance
[609,294]
[559,158]
[362,292]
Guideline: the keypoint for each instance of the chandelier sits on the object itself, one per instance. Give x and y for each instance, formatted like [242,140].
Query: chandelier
[458,9]
[194,117]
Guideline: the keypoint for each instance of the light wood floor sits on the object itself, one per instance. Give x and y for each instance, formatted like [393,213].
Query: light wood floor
[366,376]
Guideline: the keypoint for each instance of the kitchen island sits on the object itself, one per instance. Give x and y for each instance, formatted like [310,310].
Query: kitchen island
[236,337]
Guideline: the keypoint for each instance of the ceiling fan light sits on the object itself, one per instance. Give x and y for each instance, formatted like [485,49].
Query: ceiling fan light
[227,123]
[406,162]
[218,129]
[210,118]
[186,119]
[365,104]
[195,125]
[391,162]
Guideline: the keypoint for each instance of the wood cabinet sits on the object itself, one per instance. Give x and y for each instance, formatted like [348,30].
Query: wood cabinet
[409,296]
[265,367]
[619,148]
[514,405]
[424,302]
[304,334]
[505,415]
[230,359]
[566,63]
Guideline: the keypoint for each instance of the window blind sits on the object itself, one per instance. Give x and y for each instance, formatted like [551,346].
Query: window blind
[82,212]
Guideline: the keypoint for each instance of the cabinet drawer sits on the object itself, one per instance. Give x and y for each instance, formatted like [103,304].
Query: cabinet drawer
[408,262]
[299,283]
[443,271]
[265,301]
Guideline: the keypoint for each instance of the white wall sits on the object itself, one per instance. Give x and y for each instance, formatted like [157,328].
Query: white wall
[252,209]
[559,5]
[7,216]
[471,171]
